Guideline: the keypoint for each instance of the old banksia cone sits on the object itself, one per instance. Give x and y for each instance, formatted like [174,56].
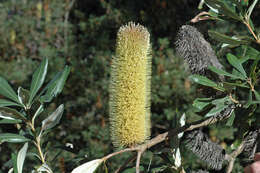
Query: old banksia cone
[195,50]
[130,87]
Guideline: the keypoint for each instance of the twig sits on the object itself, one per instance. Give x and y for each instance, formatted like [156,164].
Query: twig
[164,136]
[251,31]
[139,154]
[37,143]
[249,81]
[233,157]
[201,16]
[118,152]
[232,99]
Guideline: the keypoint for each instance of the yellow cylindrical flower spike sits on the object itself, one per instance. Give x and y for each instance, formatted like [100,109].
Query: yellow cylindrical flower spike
[130,87]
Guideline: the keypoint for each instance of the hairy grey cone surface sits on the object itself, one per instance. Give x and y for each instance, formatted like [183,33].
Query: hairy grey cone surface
[251,141]
[200,171]
[258,142]
[225,113]
[196,51]
[208,151]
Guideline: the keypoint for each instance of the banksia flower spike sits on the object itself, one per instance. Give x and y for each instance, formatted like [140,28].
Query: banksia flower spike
[130,87]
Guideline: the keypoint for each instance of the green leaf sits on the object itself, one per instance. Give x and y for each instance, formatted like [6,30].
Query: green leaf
[237,4]
[158,169]
[257,95]
[23,96]
[44,168]
[38,79]
[200,6]
[220,104]
[223,8]
[21,157]
[243,60]
[243,85]
[220,88]
[222,72]
[38,112]
[201,103]
[207,82]
[255,102]
[222,101]
[219,71]
[7,91]
[252,53]
[235,63]
[231,119]
[8,113]
[53,119]
[56,77]
[7,121]
[14,161]
[237,73]
[203,80]
[213,11]
[4,102]
[253,70]
[214,15]
[226,39]
[250,9]
[12,138]
[250,100]
[216,110]
[89,167]
[55,87]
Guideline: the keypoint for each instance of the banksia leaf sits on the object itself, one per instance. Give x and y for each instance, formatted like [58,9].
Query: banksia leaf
[130,87]
[89,167]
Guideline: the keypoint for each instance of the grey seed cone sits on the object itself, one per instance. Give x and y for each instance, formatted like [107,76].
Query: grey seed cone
[200,171]
[195,50]
[208,151]
[251,141]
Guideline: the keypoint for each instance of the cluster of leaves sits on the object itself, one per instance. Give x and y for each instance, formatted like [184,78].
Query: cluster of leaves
[241,85]
[24,109]
[241,73]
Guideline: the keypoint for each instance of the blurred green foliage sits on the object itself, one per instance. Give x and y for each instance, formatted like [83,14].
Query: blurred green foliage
[32,30]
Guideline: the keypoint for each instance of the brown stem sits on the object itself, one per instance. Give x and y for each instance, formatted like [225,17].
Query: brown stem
[31,126]
[233,157]
[249,81]
[232,99]
[138,159]
[201,16]
[37,142]
[118,152]
[164,136]
[251,31]
[38,145]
